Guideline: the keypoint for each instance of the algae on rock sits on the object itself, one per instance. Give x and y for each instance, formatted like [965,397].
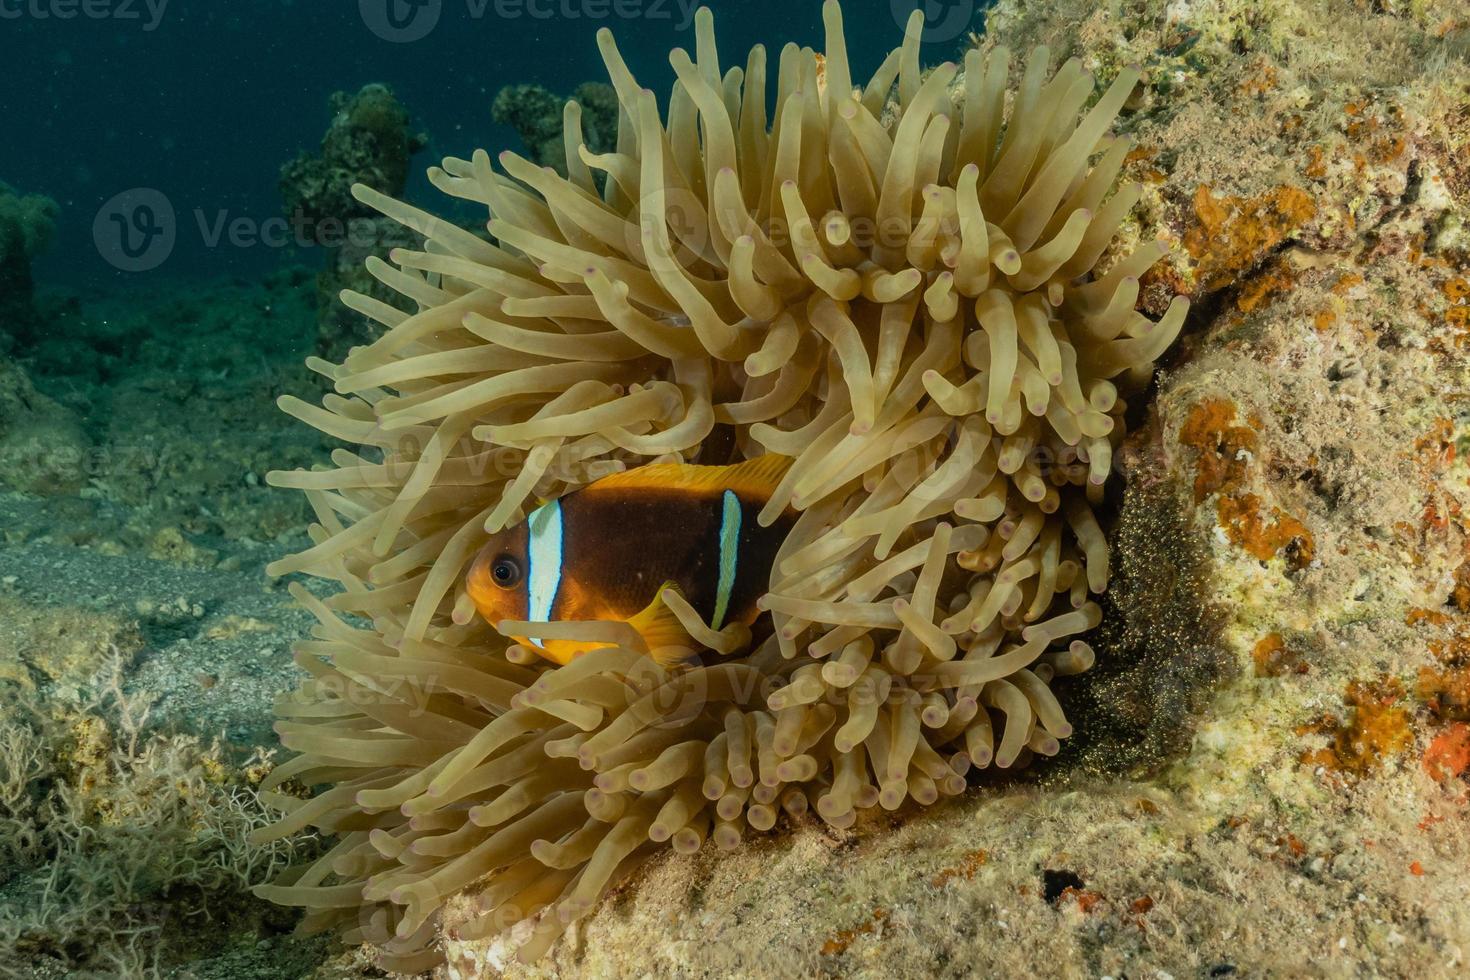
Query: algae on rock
[108,831]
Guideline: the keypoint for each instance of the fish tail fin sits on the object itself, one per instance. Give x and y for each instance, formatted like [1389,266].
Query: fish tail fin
[669,643]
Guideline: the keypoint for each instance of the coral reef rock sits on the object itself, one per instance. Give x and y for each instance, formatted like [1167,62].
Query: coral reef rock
[370,141]
[538,116]
[1288,789]
[26,226]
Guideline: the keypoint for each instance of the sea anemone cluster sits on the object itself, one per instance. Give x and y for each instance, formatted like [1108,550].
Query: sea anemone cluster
[905,286]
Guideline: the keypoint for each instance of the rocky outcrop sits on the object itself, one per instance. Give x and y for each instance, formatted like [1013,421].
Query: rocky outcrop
[369,141]
[26,226]
[537,116]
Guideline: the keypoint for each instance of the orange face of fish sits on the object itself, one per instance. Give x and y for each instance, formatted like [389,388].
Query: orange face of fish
[498,575]
[521,575]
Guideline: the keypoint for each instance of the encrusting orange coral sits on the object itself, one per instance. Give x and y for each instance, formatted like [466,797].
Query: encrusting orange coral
[907,288]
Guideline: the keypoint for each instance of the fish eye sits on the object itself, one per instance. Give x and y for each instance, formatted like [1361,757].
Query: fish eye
[506,571]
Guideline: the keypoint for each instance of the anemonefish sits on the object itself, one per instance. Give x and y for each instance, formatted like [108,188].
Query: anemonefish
[606,551]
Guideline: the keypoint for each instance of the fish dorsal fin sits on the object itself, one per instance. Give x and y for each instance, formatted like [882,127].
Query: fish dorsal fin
[669,643]
[754,479]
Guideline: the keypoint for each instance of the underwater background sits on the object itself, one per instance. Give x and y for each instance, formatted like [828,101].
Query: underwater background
[203,102]
[1272,773]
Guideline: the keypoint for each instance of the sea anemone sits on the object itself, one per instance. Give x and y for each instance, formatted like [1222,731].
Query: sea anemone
[904,287]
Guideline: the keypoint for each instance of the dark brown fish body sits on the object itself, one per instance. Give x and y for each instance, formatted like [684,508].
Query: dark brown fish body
[605,552]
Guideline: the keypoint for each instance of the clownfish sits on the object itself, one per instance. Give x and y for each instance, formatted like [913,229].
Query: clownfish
[607,551]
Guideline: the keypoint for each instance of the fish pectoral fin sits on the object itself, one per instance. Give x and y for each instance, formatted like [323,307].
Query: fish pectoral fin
[563,652]
[755,478]
[669,643]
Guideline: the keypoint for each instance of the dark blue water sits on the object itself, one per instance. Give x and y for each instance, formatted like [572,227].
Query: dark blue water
[203,100]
